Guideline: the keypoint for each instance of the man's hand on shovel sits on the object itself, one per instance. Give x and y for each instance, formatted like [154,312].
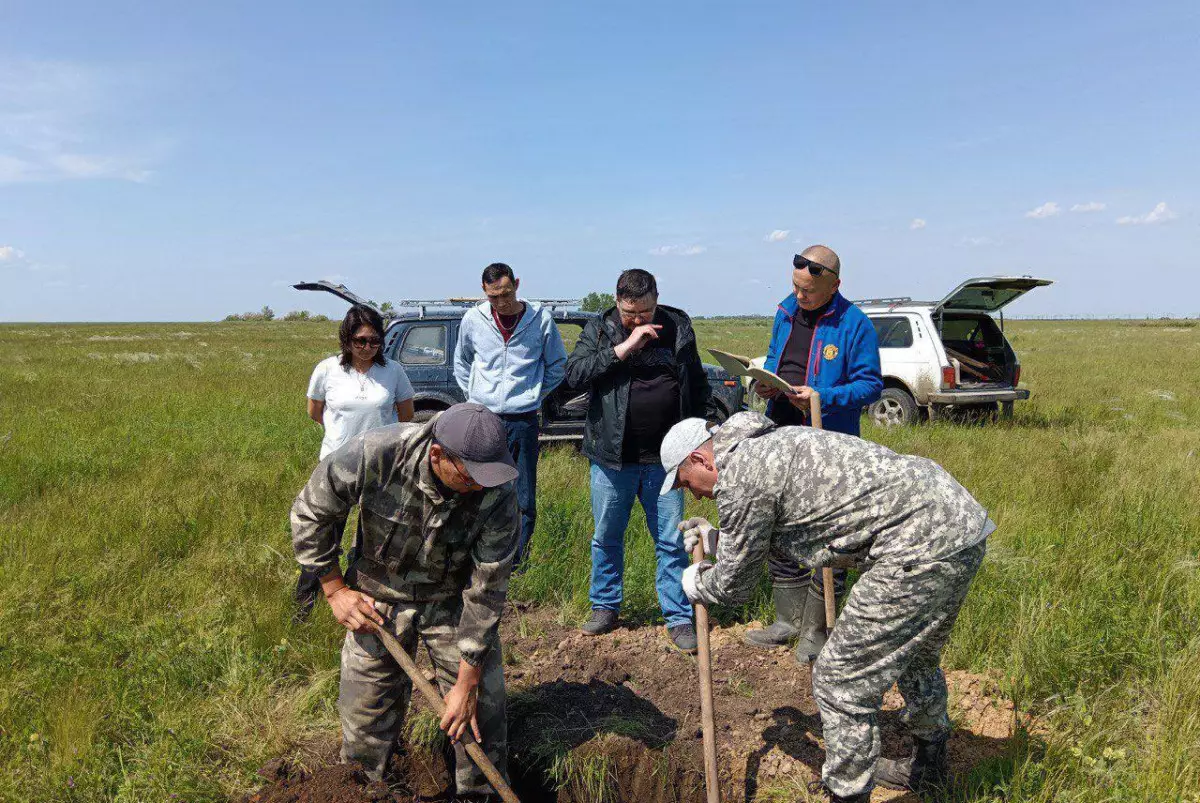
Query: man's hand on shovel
[353,609]
[461,703]
[697,530]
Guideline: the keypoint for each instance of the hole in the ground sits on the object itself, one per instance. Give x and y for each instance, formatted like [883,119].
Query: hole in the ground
[600,741]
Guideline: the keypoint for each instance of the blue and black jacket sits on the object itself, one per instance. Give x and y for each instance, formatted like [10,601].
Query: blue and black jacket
[843,362]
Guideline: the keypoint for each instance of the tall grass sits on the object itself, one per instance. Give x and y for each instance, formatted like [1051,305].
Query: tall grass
[146,648]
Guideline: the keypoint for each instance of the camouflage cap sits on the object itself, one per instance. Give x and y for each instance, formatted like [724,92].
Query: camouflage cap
[475,434]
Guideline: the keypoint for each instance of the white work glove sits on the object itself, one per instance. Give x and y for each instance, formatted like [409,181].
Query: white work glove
[689,580]
[697,530]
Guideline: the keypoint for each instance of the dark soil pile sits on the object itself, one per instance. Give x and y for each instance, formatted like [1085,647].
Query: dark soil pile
[339,783]
[617,718]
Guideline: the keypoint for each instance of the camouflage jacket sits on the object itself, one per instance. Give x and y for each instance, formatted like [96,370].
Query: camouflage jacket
[420,543]
[828,499]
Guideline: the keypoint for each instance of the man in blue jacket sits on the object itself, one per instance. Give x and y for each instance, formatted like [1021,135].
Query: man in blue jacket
[510,357]
[822,342]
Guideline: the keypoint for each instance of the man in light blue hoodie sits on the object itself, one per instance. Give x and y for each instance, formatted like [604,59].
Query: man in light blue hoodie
[510,357]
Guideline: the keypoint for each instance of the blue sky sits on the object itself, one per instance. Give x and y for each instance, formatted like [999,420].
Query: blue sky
[183,161]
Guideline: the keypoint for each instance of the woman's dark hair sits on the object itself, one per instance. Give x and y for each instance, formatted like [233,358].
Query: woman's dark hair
[497,271]
[636,283]
[358,317]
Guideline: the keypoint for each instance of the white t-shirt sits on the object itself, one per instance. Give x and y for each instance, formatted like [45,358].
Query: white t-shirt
[354,402]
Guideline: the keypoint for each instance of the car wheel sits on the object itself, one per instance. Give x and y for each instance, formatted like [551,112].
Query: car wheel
[896,408]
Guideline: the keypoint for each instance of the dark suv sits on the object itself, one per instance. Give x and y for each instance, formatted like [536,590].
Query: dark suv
[423,338]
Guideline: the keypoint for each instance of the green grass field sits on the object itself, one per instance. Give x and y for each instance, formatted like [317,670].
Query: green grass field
[146,471]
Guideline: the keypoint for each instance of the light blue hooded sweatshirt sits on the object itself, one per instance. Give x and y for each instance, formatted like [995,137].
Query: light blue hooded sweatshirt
[512,377]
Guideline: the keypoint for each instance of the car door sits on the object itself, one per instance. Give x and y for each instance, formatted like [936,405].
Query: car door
[566,405]
[901,342]
[423,348]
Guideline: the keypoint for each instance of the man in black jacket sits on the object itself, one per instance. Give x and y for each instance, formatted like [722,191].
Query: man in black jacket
[640,362]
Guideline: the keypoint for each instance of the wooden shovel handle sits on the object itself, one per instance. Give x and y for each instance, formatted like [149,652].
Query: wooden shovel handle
[708,723]
[826,574]
[434,701]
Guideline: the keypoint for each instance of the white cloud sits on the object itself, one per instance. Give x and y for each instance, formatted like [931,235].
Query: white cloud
[918,223]
[1090,206]
[777,236]
[9,253]
[677,250]
[1048,209]
[61,120]
[1159,214]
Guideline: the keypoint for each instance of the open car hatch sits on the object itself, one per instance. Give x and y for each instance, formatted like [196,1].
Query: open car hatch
[338,290]
[990,293]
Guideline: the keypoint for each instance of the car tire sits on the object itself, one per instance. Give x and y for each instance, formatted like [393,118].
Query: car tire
[896,408]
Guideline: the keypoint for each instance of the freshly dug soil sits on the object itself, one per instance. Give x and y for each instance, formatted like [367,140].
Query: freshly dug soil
[617,718]
[338,783]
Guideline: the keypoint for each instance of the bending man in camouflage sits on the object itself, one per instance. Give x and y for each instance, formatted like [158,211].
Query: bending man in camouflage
[438,524]
[828,499]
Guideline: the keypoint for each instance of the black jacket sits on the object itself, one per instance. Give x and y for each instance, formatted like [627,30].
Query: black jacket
[594,366]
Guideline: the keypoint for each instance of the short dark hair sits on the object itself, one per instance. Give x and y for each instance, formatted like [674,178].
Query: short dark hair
[636,283]
[360,315]
[497,271]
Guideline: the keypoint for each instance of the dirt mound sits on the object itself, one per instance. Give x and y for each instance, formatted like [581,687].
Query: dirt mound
[339,783]
[617,718]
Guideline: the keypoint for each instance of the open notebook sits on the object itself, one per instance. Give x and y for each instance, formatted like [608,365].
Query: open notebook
[737,365]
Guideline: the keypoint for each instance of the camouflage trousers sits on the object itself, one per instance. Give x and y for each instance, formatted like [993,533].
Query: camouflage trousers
[374,691]
[893,628]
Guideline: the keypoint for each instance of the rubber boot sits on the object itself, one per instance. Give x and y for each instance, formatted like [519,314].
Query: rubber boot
[789,610]
[926,771]
[812,635]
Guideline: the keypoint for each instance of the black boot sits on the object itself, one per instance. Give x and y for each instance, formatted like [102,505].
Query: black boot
[789,611]
[926,771]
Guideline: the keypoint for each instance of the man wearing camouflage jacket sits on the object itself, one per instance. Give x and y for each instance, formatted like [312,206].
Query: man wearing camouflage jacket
[438,524]
[828,499]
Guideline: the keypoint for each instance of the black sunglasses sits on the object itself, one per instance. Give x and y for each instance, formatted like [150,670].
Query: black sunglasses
[815,268]
[364,342]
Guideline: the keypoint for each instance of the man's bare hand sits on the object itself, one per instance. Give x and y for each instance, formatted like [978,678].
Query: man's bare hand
[461,704]
[801,397]
[354,610]
[637,340]
[766,391]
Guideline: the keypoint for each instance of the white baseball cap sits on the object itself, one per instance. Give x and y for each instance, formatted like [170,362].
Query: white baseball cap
[684,438]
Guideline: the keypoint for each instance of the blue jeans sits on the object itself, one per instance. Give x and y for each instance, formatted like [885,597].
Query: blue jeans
[522,433]
[613,492]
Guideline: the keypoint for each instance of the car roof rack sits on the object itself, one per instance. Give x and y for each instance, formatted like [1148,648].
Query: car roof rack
[421,305]
[883,302]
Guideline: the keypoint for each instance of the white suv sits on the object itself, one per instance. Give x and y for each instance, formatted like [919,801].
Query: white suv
[938,354]
[941,354]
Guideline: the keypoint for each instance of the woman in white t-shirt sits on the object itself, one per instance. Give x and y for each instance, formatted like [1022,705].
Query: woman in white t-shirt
[351,393]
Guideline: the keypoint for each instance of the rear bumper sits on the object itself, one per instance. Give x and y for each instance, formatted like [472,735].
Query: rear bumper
[561,431]
[981,396]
